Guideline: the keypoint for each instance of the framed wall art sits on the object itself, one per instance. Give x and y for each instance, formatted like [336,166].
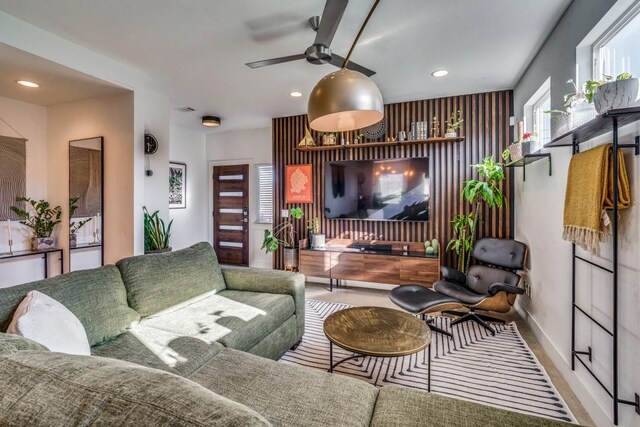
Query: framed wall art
[177,185]
[299,184]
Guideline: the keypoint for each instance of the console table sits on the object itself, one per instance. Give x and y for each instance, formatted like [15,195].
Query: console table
[371,261]
[44,254]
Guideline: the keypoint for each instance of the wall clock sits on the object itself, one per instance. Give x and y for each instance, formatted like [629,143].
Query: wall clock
[150,144]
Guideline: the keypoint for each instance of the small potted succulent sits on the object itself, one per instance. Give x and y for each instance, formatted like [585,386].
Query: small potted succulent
[156,235]
[610,94]
[74,227]
[519,149]
[453,124]
[284,234]
[41,218]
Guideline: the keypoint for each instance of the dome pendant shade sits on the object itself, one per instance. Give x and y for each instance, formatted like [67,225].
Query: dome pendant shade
[344,100]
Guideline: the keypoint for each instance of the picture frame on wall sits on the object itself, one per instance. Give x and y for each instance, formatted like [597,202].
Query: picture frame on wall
[177,185]
[299,183]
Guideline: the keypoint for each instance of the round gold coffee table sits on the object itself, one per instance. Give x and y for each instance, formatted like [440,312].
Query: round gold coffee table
[377,332]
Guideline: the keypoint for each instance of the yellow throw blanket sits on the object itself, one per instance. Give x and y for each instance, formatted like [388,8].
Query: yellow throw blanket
[590,193]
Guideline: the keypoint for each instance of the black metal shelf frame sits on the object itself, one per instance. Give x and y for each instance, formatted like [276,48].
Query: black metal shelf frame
[528,159]
[610,121]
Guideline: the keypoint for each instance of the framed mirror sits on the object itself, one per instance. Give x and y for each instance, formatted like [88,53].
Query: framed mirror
[86,203]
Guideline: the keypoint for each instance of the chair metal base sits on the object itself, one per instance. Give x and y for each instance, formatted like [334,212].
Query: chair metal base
[480,319]
[435,328]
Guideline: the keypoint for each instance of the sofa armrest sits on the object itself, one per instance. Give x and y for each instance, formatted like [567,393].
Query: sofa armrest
[494,288]
[269,282]
[453,275]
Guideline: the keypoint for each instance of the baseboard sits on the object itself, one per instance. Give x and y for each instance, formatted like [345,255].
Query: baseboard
[591,405]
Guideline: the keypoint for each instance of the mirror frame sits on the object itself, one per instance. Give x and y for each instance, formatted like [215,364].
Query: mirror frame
[102,242]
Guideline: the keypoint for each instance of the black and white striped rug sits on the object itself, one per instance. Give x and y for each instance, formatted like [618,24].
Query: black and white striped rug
[495,370]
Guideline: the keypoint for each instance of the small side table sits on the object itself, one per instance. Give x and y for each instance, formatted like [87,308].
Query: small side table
[377,332]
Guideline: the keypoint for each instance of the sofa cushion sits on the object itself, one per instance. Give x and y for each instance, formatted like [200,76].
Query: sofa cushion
[400,406]
[44,320]
[96,297]
[60,389]
[14,343]
[159,281]
[159,349]
[288,395]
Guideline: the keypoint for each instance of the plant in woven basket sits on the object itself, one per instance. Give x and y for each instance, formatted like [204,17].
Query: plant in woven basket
[156,235]
[39,216]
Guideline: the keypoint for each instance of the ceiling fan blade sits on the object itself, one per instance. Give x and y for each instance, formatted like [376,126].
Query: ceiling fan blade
[338,60]
[331,16]
[273,61]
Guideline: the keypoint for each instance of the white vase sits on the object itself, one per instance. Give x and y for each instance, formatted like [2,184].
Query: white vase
[318,241]
[617,94]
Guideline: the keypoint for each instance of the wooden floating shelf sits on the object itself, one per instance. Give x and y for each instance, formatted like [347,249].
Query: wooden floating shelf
[378,144]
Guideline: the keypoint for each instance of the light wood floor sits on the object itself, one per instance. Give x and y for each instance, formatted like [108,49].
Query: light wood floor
[380,298]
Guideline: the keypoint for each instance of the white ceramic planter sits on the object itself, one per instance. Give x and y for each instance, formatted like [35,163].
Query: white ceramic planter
[318,241]
[617,94]
[43,243]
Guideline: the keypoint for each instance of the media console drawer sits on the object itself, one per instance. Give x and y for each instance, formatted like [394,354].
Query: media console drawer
[347,266]
[315,263]
[419,271]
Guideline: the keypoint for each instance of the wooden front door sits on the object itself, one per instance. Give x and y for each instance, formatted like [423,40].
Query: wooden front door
[231,214]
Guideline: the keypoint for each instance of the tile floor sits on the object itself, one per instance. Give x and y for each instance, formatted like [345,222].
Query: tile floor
[374,297]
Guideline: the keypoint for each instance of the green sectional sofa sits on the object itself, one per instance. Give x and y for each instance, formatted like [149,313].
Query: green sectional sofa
[178,340]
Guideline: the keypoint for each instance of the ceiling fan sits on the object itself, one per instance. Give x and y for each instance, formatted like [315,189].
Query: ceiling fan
[319,52]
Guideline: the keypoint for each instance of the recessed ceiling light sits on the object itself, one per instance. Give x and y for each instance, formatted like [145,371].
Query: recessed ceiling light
[27,83]
[439,73]
[211,121]
[295,94]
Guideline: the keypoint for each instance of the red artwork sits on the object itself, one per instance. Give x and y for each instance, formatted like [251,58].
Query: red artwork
[298,182]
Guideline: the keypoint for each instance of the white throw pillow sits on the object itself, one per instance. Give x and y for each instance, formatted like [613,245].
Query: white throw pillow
[44,320]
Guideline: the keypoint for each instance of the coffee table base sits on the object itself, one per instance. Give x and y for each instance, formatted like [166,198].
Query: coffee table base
[357,356]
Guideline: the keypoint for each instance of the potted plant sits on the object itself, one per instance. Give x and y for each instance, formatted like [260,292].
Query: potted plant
[453,124]
[517,150]
[41,218]
[609,94]
[74,227]
[156,235]
[316,240]
[476,191]
[284,234]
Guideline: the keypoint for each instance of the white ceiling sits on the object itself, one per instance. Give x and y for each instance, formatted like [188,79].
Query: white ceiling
[58,84]
[196,50]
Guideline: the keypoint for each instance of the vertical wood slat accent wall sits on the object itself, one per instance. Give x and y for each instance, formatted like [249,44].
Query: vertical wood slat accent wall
[486,131]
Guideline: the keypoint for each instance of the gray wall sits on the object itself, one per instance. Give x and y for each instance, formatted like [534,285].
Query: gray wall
[557,57]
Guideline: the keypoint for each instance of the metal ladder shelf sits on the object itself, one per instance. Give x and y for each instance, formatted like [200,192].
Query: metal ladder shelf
[602,124]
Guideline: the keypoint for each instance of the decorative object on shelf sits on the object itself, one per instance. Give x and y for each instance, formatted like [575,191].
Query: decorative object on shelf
[284,234]
[156,235]
[307,141]
[435,127]
[453,124]
[41,218]
[74,227]
[519,149]
[623,92]
[177,185]
[13,172]
[375,131]
[329,138]
[345,99]
[298,184]
[435,244]
[486,190]
[402,135]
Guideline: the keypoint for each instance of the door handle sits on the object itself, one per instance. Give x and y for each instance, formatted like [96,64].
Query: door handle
[245,220]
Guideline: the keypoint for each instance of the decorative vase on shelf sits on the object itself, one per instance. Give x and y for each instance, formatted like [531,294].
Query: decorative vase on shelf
[43,243]
[617,94]
[581,112]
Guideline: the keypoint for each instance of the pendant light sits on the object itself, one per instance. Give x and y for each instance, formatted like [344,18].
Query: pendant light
[345,99]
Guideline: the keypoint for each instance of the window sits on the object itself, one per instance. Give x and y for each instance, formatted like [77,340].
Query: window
[265,194]
[535,118]
[618,50]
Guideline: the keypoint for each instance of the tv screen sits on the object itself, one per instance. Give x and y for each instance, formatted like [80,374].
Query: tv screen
[377,189]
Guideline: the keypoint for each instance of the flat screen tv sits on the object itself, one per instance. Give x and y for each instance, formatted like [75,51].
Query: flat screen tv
[396,190]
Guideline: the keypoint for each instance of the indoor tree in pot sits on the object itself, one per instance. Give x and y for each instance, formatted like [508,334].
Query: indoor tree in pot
[74,227]
[485,189]
[41,218]
[284,234]
[156,235]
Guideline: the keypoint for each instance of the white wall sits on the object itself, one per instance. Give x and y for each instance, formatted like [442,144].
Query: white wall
[539,206]
[250,147]
[190,224]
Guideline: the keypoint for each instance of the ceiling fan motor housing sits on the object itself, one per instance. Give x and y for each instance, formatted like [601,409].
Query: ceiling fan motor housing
[318,54]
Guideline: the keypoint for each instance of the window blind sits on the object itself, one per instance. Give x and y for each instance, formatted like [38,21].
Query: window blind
[265,193]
